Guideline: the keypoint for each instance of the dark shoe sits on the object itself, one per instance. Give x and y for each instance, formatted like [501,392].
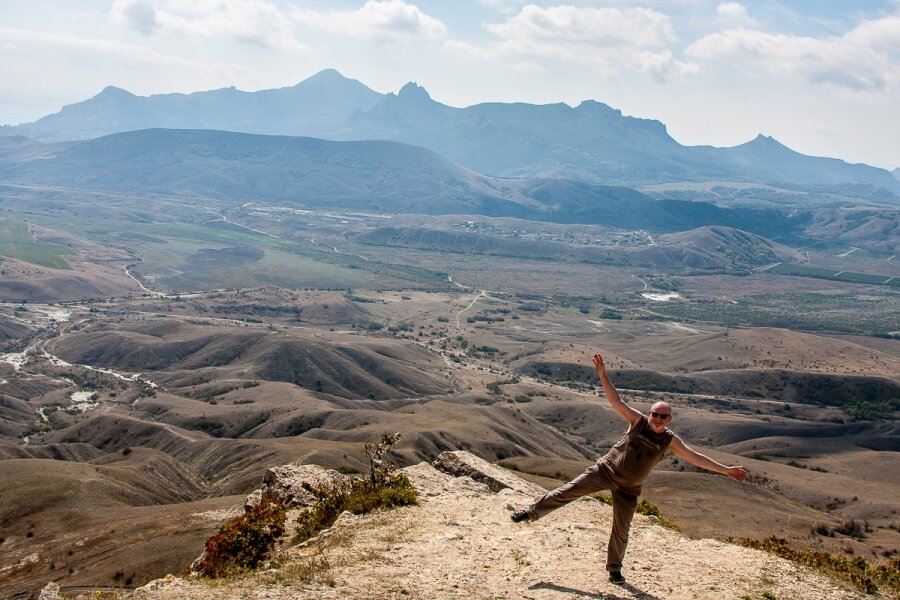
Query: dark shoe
[523,514]
[616,577]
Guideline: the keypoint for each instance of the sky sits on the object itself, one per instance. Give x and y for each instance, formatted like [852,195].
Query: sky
[820,76]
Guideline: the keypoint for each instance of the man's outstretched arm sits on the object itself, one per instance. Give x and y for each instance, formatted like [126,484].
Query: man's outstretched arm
[612,394]
[682,450]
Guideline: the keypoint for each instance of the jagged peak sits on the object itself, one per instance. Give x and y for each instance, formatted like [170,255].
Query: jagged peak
[413,91]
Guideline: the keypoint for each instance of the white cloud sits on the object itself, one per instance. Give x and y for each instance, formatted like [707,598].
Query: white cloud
[734,14]
[376,19]
[866,58]
[110,51]
[139,15]
[259,22]
[609,39]
[598,27]
[732,11]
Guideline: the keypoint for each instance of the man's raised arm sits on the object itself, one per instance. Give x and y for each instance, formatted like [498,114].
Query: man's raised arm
[682,450]
[612,394]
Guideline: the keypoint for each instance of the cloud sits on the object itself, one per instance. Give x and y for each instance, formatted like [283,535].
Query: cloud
[109,50]
[599,27]
[139,15]
[734,14]
[376,19]
[259,22]
[732,11]
[609,39]
[866,58]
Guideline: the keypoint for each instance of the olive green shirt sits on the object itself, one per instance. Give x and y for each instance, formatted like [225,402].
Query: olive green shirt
[635,455]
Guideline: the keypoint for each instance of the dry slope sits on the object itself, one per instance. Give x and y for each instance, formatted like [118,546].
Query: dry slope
[460,543]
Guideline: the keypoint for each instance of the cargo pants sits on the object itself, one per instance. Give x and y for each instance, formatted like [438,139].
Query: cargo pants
[596,478]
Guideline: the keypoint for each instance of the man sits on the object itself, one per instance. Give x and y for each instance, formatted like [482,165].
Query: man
[624,468]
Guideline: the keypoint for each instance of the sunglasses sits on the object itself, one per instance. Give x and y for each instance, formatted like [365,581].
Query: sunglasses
[659,415]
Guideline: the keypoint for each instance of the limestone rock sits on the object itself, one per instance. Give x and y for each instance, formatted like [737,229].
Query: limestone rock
[50,592]
[460,463]
[294,485]
[167,582]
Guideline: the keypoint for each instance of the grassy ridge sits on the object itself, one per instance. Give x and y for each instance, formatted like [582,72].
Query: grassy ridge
[16,242]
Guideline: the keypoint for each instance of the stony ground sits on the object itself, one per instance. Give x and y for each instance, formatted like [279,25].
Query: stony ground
[459,543]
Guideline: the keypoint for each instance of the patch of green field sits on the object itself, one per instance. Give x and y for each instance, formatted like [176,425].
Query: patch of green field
[16,242]
[218,255]
[866,313]
[834,275]
[14,231]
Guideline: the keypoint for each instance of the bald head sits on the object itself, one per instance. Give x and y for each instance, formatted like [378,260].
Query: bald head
[661,407]
[659,416]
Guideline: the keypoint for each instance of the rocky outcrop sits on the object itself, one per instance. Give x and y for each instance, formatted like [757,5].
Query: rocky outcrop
[459,542]
[50,592]
[463,464]
[295,486]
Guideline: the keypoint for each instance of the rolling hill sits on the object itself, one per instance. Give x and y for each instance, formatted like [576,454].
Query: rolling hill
[384,177]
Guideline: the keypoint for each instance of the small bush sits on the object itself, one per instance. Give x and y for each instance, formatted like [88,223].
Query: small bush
[244,541]
[384,488]
[851,528]
[644,507]
[856,570]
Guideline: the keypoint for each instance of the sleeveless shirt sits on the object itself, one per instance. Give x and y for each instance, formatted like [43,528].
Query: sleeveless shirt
[634,456]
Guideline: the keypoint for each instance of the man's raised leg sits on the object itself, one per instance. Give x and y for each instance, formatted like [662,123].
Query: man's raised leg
[594,479]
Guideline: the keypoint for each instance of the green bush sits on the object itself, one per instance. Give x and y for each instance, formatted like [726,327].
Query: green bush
[385,488]
[856,570]
[244,541]
[644,507]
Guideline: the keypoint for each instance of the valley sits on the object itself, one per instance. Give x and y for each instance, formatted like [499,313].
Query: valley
[193,342]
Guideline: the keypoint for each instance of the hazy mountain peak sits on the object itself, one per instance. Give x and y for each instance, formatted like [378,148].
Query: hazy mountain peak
[413,91]
[766,143]
[112,91]
[767,140]
[896,173]
[326,74]
[595,106]
[326,77]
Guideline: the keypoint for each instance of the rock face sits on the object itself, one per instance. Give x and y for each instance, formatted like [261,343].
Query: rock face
[463,464]
[50,592]
[295,485]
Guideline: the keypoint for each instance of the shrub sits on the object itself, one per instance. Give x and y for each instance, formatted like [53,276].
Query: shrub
[384,488]
[852,528]
[856,570]
[644,507]
[244,541]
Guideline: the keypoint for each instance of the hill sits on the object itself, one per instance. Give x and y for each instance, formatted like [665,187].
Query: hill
[703,248]
[383,177]
[460,543]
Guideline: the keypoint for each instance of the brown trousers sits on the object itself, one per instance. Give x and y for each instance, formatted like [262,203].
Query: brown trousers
[595,479]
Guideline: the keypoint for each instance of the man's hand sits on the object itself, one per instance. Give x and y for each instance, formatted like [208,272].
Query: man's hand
[599,364]
[737,472]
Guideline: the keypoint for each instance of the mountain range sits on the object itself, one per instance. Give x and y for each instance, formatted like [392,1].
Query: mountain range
[591,142]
